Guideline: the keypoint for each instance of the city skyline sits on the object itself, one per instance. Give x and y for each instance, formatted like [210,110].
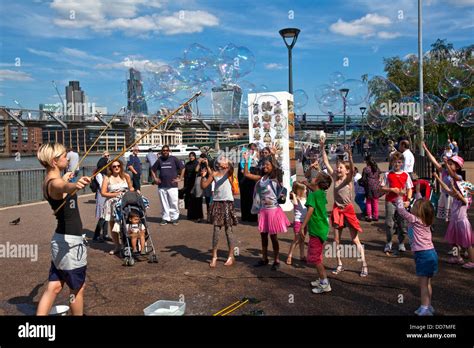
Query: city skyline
[96,42]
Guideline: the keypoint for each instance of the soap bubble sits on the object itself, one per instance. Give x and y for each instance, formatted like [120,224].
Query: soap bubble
[198,56]
[381,94]
[391,125]
[410,65]
[447,90]
[300,99]
[458,75]
[451,109]
[357,91]
[336,78]
[322,90]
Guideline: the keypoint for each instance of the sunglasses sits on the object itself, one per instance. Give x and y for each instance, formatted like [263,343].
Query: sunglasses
[116,166]
[165,150]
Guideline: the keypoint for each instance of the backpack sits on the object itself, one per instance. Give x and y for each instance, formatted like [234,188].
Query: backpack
[94,185]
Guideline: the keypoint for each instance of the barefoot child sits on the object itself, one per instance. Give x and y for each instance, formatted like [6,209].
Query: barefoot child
[271,218]
[222,212]
[426,260]
[343,211]
[298,198]
[318,225]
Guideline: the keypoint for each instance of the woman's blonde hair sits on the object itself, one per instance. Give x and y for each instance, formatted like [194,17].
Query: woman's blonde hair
[297,186]
[47,152]
[424,210]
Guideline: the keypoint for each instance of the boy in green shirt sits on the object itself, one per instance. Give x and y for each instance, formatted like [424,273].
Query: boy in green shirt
[318,226]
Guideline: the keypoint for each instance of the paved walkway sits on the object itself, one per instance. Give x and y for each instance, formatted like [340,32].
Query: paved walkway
[183,272]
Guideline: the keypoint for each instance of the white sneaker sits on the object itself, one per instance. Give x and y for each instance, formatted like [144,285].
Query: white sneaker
[388,248]
[402,248]
[322,288]
[315,283]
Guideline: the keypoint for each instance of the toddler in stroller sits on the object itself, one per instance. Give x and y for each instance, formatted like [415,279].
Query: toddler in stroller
[131,212]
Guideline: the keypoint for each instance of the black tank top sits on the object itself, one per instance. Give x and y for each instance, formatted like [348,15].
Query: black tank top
[69,220]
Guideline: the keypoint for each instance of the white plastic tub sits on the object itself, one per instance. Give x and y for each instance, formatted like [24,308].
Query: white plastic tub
[163,307]
[59,310]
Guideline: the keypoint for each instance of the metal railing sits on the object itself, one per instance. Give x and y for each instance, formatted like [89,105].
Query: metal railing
[22,186]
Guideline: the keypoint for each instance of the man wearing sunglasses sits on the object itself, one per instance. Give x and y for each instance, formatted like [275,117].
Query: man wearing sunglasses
[171,172]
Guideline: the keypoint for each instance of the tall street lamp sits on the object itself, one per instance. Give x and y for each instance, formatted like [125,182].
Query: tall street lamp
[290,34]
[344,93]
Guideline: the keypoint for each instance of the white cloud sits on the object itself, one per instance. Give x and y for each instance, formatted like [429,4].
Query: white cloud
[12,75]
[365,26]
[273,66]
[110,15]
[132,62]
[71,56]
[388,35]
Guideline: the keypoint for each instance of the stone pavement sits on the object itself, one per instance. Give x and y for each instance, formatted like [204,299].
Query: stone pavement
[183,272]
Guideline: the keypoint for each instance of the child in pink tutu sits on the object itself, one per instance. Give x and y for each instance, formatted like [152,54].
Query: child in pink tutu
[460,231]
[343,212]
[271,218]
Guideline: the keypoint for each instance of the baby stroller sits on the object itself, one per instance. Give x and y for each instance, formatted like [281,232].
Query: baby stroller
[129,202]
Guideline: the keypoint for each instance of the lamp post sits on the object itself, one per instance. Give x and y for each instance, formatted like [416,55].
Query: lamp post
[290,33]
[362,109]
[344,93]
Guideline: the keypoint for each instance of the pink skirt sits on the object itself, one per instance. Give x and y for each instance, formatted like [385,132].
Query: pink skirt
[272,221]
[459,229]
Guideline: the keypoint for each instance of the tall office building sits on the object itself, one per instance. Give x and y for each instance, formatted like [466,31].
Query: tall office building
[136,102]
[75,99]
[226,101]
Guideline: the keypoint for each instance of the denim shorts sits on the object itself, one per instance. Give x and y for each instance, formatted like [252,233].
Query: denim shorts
[426,262]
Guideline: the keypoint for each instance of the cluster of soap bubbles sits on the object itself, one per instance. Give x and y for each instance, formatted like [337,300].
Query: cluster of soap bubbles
[330,99]
[198,69]
[451,105]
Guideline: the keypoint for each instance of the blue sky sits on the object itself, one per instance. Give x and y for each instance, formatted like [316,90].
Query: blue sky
[91,40]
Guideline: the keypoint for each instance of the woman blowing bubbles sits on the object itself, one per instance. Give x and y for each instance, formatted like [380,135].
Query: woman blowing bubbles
[69,254]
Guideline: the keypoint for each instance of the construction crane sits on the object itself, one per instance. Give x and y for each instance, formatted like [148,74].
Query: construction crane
[59,95]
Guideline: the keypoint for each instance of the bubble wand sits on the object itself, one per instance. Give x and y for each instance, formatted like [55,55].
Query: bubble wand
[134,143]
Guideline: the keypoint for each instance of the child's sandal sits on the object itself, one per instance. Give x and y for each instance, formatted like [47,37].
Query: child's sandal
[364,272]
[288,260]
[338,269]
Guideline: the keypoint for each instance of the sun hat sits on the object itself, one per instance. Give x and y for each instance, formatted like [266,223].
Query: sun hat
[458,160]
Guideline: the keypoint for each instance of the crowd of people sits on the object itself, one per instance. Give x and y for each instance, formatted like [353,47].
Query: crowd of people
[259,182]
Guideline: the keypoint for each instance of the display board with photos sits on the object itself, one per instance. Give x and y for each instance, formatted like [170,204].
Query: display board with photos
[271,123]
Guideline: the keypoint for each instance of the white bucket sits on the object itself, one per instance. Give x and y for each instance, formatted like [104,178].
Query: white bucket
[60,310]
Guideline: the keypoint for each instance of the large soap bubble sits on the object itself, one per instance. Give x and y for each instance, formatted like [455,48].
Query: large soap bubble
[410,65]
[452,108]
[322,90]
[300,99]
[235,62]
[447,90]
[198,56]
[331,103]
[383,94]
[357,91]
[458,75]
[336,78]
[391,125]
